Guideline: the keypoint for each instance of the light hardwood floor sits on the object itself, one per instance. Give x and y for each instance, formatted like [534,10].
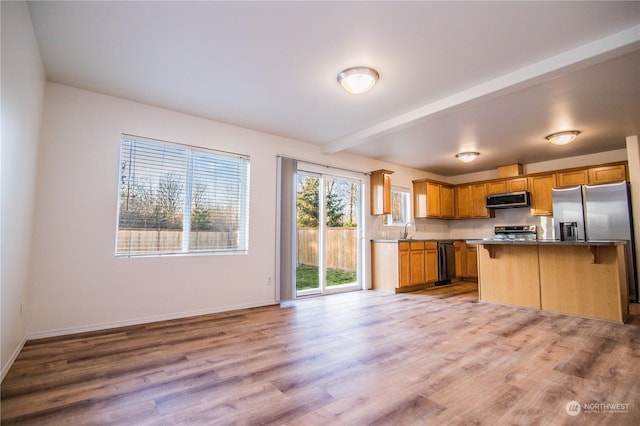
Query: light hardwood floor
[435,357]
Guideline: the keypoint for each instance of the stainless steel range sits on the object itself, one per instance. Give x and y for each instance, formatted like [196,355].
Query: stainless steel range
[515,233]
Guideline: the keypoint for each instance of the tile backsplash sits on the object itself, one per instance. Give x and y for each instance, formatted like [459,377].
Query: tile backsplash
[463,229]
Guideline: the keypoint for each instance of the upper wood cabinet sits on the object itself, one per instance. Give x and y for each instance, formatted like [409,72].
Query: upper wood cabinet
[381,192]
[592,175]
[497,187]
[541,197]
[517,184]
[507,185]
[478,201]
[470,201]
[606,174]
[572,177]
[432,200]
[463,201]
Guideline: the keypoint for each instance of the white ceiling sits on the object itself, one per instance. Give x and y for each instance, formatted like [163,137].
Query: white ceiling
[495,77]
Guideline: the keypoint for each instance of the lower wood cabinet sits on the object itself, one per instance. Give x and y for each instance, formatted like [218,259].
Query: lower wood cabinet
[461,258]
[416,263]
[404,265]
[472,261]
[431,262]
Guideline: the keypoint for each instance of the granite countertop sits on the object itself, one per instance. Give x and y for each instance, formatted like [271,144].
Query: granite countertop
[408,240]
[550,242]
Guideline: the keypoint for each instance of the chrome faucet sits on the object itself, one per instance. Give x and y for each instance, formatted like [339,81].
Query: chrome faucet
[406,232]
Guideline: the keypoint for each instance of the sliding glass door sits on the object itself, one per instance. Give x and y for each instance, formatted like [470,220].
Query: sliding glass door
[329,247]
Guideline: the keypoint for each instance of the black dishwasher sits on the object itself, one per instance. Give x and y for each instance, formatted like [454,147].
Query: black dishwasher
[446,262]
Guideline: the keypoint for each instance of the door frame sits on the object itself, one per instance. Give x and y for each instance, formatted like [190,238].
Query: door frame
[322,173]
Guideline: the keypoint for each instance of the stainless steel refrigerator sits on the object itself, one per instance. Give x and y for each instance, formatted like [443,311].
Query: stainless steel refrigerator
[597,212]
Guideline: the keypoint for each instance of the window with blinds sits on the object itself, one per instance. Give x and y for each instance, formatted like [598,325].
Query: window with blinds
[175,199]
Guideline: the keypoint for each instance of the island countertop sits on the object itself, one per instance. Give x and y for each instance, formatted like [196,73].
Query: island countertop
[549,242]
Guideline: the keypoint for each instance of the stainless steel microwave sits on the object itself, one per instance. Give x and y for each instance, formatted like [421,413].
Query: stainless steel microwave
[508,200]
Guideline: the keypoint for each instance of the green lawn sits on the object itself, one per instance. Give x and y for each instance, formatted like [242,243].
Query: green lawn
[307,277]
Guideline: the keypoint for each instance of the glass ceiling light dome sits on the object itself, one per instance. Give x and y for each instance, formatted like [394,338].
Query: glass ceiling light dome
[358,80]
[468,156]
[562,138]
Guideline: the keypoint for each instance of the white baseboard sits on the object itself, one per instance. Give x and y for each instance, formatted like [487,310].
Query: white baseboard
[105,326]
[7,366]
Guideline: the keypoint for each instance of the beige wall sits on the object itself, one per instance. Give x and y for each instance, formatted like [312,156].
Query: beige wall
[22,93]
[78,283]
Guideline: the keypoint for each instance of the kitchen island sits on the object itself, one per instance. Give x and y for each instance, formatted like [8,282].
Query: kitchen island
[586,278]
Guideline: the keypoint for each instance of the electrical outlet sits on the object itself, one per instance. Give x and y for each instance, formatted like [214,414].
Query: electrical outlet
[269,281]
[21,309]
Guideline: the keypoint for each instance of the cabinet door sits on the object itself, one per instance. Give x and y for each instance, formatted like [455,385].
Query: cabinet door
[404,265]
[419,199]
[607,174]
[446,202]
[431,262]
[497,187]
[463,201]
[541,201]
[461,258]
[380,192]
[433,200]
[478,200]
[517,184]
[575,177]
[416,260]
[472,261]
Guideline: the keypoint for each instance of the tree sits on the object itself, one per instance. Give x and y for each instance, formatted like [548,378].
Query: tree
[334,204]
[168,202]
[308,202]
[200,219]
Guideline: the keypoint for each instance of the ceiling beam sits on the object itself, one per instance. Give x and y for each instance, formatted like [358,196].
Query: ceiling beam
[583,56]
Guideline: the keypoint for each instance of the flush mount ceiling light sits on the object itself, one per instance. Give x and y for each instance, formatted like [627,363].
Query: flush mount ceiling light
[562,138]
[468,156]
[358,80]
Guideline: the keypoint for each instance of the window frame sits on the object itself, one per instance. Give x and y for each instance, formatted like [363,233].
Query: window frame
[192,152]
[406,205]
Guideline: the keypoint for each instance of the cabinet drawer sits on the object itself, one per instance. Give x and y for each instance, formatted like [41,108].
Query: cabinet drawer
[417,245]
[403,246]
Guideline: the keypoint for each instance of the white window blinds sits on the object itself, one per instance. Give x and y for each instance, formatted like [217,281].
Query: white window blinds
[175,199]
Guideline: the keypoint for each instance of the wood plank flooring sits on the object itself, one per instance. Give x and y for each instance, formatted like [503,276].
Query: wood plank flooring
[436,357]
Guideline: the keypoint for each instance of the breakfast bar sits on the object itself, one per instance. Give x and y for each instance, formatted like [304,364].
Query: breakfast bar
[586,278]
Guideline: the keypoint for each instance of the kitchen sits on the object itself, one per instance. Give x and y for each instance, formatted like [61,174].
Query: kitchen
[399,264]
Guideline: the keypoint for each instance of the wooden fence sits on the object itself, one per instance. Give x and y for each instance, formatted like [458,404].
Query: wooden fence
[341,244]
[147,240]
